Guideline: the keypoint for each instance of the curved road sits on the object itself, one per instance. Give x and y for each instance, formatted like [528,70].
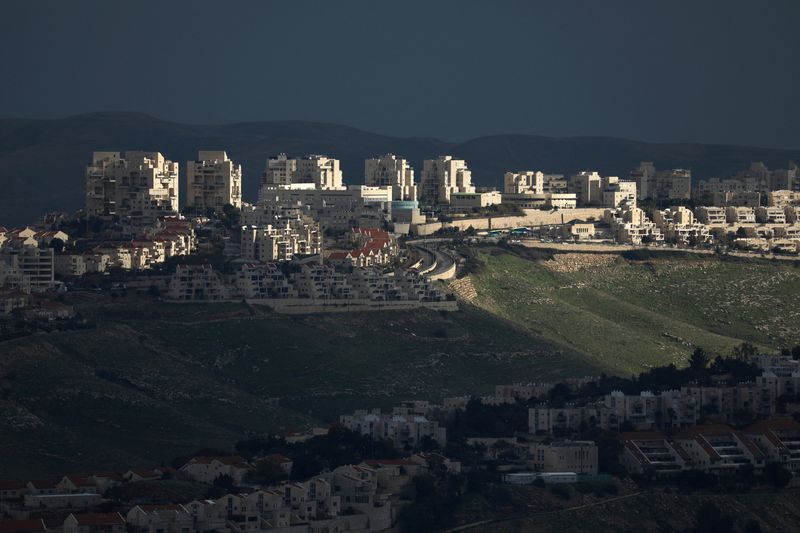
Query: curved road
[429,253]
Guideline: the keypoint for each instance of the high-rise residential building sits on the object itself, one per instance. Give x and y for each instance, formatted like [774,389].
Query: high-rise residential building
[135,188]
[588,186]
[390,171]
[522,182]
[279,171]
[443,176]
[619,193]
[213,181]
[319,170]
[674,184]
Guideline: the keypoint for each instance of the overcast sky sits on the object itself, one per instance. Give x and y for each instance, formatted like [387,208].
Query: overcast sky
[717,71]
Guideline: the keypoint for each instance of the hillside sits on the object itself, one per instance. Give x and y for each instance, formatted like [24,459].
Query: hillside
[152,381]
[626,315]
[42,161]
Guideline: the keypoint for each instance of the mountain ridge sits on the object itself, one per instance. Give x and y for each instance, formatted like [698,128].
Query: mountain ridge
[42,161]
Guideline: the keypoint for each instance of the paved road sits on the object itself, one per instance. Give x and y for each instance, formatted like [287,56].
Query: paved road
[429,253]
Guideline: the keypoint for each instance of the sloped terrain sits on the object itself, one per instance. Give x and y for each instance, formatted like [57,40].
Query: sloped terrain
[155,381]
[628,315]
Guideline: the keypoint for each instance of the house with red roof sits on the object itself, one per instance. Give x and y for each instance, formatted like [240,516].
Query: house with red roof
[779,439]
[719,448]
[142,474]
[164,518]
[23,526]
[94,523]
[76,484]
[11,489]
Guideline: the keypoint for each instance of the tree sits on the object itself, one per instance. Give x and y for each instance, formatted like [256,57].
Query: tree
[796,353]
[698,360]
[711,520]
[752,526]
[776,475]
[224,481]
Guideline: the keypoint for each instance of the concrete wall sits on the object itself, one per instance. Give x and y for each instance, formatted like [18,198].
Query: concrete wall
[305,305]
[531,218]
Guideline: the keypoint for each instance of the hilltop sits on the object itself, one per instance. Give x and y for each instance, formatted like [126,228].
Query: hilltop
[42,162]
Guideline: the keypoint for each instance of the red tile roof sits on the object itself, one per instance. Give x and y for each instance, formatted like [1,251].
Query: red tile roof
[11,484]
[161,507]
[44,483]
[22,526]
[99,519]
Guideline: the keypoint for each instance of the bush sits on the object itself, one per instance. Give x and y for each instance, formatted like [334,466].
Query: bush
[560,491]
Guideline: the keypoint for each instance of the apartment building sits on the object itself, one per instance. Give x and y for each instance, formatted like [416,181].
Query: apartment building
[783,198]
[207,469]
[400,430]
[588,188]
[619,193]
[674,184]
[443,176]
[25,266]
[279,171]
[391,171]
[711,215]
[159,518]
[319,171]
[678,225]
[770,215]
[280,243]
[653,452]
[631,226]
[212,182]
[334,209]
[740,215]
[263,280]
[133,188]
[565,456]
[719,449]
[474,200]
[523,182]
[197,283]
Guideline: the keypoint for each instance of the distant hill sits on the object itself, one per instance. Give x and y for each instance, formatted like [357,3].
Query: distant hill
[42,161]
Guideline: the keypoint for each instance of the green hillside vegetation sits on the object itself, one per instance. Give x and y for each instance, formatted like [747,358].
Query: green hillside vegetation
[627,315]
[155,381]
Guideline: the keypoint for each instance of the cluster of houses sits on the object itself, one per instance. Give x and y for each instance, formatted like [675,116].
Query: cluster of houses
[309,281]
[360,497]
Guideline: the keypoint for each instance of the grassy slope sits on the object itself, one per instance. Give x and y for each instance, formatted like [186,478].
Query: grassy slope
[156,381]
[656,511]
[629,315]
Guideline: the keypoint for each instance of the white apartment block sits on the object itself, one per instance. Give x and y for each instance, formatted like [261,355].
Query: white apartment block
[783,198]
[26,267]
[318,171]
[579,457]
[522,182]
[619,193]
[213,181]
[711,215]
[740,215]
[443,176]
[336,209]
[135,188]
[770,215]
[588,187]
[280,243]
[279,171]
[390,171]
[400,430]
[674,184]
[197,283]
[474,200]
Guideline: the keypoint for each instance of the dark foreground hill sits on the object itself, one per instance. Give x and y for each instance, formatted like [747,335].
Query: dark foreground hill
[42,161]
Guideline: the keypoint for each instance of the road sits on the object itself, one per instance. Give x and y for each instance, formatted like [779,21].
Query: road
[431,255]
